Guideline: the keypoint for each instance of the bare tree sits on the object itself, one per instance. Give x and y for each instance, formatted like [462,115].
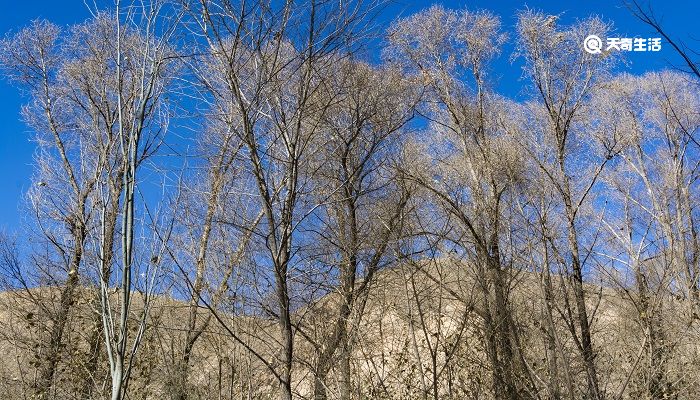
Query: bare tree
[565,78]
[329,224]
[216,237]
[472,170]
[70,104]
[271,59]
[140,61]
[363,203]
[647,16]
[653,234]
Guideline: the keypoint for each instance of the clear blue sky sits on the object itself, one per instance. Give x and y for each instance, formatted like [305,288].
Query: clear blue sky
[680,18]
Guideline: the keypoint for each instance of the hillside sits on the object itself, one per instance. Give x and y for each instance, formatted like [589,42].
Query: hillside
[421,328]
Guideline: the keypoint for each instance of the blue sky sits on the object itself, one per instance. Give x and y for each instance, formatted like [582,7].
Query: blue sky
[680,18]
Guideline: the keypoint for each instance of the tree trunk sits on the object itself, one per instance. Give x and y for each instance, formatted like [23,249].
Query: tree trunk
[496,322]
[550,335]
[96,338]
[582,313]
[286,333]
[344,376]
[52,357]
